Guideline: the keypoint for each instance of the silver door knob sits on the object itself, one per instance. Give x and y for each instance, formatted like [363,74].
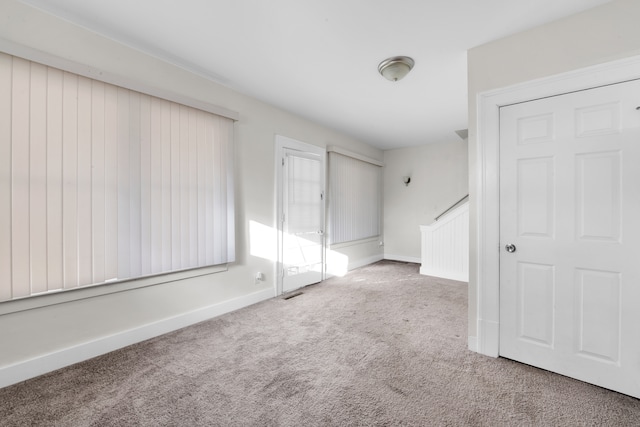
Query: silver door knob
[510,248]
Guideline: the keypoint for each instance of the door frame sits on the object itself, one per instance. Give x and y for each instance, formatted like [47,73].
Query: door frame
[283,143]
[485,251]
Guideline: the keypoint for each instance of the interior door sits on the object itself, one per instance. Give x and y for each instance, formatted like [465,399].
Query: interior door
[569,233]
[302,219]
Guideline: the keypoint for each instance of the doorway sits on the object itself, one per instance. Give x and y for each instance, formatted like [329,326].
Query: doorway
[300,213]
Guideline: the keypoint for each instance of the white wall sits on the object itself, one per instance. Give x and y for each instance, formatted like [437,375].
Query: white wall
[598,35]
[29,335]
[439,178]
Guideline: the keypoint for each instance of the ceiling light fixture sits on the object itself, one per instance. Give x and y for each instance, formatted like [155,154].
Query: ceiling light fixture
[396,68]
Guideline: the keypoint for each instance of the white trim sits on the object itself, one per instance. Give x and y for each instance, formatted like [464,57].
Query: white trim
[472,343]
[359,263]
[445,274]
[488,181]
[339,150]
[402,258]
[364,261]
[31,368]
[34,55]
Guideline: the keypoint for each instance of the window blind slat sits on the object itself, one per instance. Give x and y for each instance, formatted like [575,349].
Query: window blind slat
[218,215]
[184,187]
[70,179]
[200,188]
[156,231]
[176,242]
[98,181]
[192,189]
[209,204]
[111,182]
[6,71]
[122,167]
[146,183]
[55,277]
[20,178]
[229,203]
[84,226]
[165,141]
[38,176]
[135,190]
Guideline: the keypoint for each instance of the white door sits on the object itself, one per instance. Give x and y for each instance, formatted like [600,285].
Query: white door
[570,235]
[302,216]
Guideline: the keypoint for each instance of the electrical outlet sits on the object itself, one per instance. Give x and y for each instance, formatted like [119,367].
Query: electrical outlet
[259,278]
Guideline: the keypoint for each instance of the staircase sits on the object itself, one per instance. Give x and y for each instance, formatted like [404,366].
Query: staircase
[445,245]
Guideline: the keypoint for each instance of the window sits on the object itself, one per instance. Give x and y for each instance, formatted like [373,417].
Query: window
[99,183]
[354,196]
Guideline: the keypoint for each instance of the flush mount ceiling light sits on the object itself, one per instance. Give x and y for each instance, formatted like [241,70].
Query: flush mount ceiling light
[395,68]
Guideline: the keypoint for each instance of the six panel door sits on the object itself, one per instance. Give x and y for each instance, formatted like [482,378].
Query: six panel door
[570,213]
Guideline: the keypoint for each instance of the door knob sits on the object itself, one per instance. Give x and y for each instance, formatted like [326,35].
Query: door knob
[511,248]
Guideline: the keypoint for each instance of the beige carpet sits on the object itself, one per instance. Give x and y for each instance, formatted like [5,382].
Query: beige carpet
[382,346]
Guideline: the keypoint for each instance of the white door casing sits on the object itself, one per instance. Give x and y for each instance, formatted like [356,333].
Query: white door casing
[300,213]
[485,202]
[569,203]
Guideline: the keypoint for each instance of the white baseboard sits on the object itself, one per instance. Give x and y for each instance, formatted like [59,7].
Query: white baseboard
[365,261]
[488,338]
[31,368]
[402,258]
[461,276]
[472,343]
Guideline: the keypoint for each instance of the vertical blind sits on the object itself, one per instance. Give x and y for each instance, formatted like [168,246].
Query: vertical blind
[100,183]
[354,198]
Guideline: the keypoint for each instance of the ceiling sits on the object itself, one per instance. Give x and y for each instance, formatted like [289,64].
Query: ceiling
[319,58]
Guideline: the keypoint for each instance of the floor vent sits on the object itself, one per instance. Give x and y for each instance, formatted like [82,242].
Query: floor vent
[293,295]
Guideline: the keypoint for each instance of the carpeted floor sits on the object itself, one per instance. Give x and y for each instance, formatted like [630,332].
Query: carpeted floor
[382,346]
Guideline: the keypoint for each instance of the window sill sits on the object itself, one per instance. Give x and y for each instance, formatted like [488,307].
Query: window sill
[354,242]
[100,289]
